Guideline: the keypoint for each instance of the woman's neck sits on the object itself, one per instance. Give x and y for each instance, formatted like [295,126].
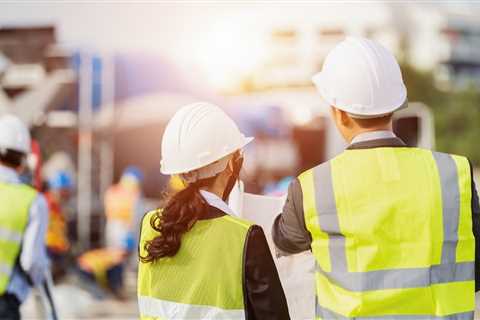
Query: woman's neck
[218,186]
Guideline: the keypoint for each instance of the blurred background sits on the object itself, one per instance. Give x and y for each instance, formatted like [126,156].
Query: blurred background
[97,83]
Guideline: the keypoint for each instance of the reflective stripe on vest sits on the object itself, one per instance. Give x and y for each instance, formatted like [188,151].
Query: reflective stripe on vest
[173,310]
[204,280]
[10,235]
[324,313]
[5,268]
[323,224]
[15,200]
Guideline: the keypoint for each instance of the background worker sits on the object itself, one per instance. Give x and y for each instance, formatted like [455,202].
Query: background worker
[390,226]
[23,222]
[104,268]
[124,208]
[198,260]
[58,194]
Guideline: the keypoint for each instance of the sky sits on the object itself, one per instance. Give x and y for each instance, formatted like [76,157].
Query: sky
[209,34]
[160,26]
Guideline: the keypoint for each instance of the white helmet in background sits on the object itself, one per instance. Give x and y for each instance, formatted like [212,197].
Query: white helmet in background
[14,134]
[363,78]
[200,136]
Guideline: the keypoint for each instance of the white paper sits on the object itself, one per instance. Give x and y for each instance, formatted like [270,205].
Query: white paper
[297,271]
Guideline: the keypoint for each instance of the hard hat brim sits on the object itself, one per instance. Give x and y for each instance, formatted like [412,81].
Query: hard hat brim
[404,105]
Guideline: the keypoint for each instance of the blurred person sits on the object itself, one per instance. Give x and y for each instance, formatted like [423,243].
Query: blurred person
[105,268]
[58,194]
[34,162]
[23,222]
[278,189]
[390,226]
[124,208]
[197,260]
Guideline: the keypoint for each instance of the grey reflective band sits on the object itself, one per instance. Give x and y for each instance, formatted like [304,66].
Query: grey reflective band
[328,216]
[10,236]
[447,271]
[5,269]
[401,278]
[329,314]
[447,170]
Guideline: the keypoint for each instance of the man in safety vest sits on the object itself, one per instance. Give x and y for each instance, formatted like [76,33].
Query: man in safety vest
[23,222]
[390,226]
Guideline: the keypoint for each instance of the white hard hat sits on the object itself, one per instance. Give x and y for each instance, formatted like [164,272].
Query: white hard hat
[363,78]
[14,134]
[199,135]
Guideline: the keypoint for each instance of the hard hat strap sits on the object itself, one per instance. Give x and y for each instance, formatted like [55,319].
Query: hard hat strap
[209,171]
[237,163]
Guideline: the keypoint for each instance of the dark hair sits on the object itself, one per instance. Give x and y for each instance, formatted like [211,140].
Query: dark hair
[12,158]
[178,216]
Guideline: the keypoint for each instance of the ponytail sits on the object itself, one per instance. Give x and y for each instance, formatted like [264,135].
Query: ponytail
[179,215]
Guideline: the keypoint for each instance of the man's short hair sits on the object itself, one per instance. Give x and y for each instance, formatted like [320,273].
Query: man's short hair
[373,122]
[12,158]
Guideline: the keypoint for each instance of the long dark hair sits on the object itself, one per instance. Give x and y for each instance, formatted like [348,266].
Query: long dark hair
[178,216]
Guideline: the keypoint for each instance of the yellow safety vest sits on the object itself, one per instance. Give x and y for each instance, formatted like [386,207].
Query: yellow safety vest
[391,235]
[99,261]
[15,201]
[203,280]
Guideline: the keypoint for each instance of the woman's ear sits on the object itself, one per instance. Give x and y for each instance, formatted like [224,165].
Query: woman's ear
[345,119]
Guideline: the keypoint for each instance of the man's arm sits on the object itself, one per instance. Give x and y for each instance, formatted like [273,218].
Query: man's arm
[33,258]
[289,231]
[476,231]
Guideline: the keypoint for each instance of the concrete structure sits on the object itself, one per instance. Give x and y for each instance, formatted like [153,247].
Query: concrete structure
[445,39]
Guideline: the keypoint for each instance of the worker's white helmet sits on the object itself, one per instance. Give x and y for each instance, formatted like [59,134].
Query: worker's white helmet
[363,78]
[14,134]
[200,135]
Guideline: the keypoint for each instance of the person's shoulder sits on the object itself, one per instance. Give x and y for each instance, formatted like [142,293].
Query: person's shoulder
[234,220]
[26,188]
[149,214]
[459,159]
[28,193]
[309,172]
[146,228]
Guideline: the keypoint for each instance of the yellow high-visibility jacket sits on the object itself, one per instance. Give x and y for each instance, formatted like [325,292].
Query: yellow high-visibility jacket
[391,234]
[187,286]
[15,201]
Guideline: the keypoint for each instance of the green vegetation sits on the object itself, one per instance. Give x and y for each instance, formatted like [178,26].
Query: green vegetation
[456,112]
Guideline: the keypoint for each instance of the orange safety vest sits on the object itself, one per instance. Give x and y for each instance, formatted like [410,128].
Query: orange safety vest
[120,203]
[56,236]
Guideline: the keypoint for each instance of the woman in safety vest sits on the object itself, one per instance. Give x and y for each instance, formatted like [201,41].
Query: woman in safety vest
[198,260]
